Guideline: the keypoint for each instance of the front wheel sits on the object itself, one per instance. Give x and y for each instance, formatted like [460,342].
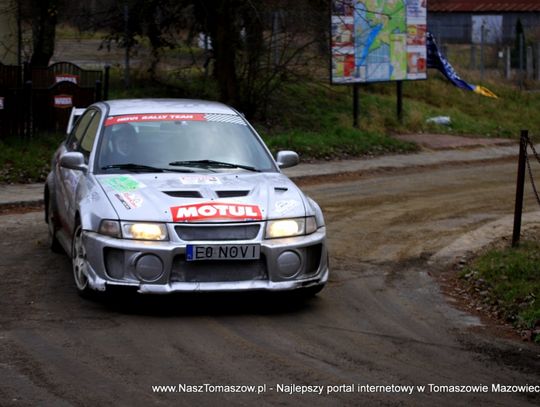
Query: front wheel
[54,244]
[80,264]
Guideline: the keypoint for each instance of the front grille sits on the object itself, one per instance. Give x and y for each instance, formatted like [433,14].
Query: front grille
[217,270]
[201,232]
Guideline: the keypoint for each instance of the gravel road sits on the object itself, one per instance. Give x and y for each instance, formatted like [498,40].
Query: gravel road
[381,321]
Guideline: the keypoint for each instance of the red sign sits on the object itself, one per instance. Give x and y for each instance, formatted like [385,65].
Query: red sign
[215,210]
[63,101]
[64,77]
[155,117]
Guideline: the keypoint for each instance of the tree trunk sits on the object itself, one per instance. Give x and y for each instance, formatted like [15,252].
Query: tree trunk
[225,34]
[43,31]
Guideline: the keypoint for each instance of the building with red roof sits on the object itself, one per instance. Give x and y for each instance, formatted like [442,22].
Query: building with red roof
[464,21]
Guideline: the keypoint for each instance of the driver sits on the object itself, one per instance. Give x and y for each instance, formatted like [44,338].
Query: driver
[123,141]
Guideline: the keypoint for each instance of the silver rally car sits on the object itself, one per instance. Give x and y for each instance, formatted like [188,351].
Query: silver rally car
[180,195]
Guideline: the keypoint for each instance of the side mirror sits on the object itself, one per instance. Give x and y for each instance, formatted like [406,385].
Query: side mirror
[74,161]
[286,159]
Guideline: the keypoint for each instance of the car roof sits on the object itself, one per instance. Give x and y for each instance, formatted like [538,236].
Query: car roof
[134,106]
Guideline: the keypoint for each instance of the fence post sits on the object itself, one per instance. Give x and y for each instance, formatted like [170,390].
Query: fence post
[473,57]
[98,95]
[482,39]
[508,63]
[106,82]
[521,62]
[538,61]
[529,63]
[518,210]
[28,116]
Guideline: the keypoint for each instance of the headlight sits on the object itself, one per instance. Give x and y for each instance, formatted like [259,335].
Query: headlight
[144,231]
[110,228]
[290,227]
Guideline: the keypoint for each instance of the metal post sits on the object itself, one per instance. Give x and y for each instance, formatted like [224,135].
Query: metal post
[508,63]
[521,55]
[529,63]
[106,82]
[538,61]
[520,187]
[99,95]
[355,105]
[28,125]
[399,90]
[473,57]
[482,39]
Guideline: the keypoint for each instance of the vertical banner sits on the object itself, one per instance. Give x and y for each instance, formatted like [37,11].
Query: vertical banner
[378,40]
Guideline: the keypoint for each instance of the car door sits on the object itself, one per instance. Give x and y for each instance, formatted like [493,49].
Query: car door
[80,140]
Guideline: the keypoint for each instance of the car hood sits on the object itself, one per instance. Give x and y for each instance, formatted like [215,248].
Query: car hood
[220,197]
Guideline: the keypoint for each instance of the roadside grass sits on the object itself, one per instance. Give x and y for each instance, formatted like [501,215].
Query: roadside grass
[509,280]
[25,161]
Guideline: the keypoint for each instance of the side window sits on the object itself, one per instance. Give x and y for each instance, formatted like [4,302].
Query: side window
[90,135]
[77,133]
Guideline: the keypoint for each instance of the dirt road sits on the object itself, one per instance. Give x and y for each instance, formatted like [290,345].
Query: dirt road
[382,320]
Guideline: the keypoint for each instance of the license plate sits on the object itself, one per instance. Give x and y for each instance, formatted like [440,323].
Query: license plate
[223,252]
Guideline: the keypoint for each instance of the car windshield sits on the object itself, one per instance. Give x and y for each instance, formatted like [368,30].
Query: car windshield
[203,142]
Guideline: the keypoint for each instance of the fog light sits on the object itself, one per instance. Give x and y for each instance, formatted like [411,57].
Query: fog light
[148,267]
[288,264]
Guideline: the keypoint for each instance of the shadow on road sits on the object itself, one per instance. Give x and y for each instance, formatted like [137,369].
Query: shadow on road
[207,304]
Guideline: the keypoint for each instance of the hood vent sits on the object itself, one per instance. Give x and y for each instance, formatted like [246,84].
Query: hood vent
[231,194]
[183,194]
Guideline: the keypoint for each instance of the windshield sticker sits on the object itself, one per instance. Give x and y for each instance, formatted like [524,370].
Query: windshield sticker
[285,206]
[215,210]
[123,183]
[200,180]
[225,118]
[131,118]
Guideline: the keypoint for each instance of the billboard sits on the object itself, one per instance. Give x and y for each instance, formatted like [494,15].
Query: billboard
[378,40]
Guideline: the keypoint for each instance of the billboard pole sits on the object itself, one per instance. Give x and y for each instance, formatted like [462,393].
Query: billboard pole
[399,89]
[356,91]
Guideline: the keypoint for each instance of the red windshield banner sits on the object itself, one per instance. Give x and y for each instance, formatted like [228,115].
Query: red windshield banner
[156,117]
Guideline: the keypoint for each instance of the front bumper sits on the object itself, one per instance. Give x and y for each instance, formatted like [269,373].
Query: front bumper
[116,262]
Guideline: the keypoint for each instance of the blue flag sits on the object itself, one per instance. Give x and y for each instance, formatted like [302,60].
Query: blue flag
[436,59]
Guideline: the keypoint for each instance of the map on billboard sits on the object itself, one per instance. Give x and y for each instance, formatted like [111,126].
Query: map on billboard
[378,40]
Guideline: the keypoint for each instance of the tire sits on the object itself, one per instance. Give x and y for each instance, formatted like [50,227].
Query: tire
[79,264]
[53,242]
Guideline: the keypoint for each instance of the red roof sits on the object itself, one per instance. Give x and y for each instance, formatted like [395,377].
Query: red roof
[480,6]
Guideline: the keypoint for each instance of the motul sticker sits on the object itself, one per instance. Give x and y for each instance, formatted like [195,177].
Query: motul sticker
[64,77]
[215,210]
[63,101]
[154,118]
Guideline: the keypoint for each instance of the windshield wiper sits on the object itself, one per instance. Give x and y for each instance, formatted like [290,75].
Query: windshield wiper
[140,167]
[212,163]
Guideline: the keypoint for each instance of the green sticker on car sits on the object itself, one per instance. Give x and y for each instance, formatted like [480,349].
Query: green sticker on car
[123,183]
